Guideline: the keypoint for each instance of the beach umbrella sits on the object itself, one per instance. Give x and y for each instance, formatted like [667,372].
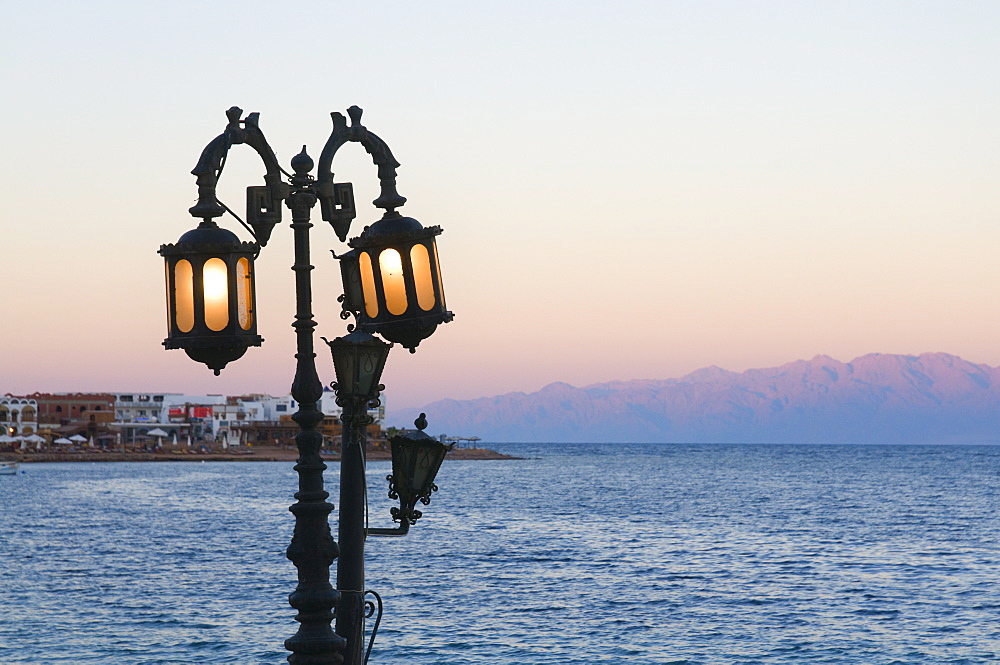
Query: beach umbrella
[78,438]
[174,442]
[6,439]
[63,441]
[159,434]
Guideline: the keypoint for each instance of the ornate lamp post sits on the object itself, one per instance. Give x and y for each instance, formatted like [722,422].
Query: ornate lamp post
[392,285]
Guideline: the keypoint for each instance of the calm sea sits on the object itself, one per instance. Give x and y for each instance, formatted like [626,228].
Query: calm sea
[636,554]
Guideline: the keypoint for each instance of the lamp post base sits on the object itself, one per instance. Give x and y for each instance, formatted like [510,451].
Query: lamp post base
[313,550]
[351,625]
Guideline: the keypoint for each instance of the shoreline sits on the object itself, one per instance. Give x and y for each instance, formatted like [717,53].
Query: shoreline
[259,454]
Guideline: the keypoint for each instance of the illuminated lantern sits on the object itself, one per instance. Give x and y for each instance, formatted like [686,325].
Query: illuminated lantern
[211,311]
[392,280]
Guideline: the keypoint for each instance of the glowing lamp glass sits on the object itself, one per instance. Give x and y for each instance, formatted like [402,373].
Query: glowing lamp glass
[184,295]
[244,293]
[216,292]
[423,281]
[368,285]
[391,266]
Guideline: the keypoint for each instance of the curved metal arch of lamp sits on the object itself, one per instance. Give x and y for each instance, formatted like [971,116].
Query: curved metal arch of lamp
[264,215]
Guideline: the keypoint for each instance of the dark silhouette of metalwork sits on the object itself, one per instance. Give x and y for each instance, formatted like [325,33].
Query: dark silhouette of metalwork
[392,287]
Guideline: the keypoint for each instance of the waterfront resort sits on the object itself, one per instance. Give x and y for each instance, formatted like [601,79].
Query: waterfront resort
[64,422]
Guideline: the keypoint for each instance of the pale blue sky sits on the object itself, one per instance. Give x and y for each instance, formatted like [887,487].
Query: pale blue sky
[628,189]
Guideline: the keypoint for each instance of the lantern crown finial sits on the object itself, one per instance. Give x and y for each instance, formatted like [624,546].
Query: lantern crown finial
[302,163]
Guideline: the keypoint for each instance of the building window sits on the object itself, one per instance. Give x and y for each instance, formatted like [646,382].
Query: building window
[82,409]
[97,408]
[58,409]
[125,398]
[281,407]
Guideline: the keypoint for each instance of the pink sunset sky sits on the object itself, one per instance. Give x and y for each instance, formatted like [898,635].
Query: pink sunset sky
[628,189]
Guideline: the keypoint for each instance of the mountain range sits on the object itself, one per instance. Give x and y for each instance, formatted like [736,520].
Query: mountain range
[877,398]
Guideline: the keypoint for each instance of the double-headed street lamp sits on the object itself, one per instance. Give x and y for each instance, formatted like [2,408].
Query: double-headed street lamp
[392,286]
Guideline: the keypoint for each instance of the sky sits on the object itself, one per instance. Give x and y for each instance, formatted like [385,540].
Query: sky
[628,189]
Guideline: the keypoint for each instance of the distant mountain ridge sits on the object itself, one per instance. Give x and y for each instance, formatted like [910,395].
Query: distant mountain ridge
[877,398]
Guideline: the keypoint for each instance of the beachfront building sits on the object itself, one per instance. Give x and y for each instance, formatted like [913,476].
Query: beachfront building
[244,418]
[274,408]
[282,432]
[191,417]
[227,418]
[182,418]
[167,419]
[136,414]
[62,409]
[140,407]
[271,424]
[18,419]
[87,416]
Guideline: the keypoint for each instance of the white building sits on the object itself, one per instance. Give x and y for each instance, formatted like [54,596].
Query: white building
[18,416]
[209,417]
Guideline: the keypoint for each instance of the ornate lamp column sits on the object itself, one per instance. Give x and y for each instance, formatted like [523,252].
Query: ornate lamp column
[312,549]
[211,314]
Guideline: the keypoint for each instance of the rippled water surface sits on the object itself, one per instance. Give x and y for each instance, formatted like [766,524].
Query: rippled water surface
[648,554]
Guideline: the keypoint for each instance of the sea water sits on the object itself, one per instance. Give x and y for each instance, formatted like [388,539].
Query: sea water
[637,554]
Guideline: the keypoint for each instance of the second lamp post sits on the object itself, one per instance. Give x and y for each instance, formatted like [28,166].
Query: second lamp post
[391,285]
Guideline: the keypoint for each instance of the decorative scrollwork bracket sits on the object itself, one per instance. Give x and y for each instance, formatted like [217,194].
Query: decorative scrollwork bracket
[264,203]
[337,199]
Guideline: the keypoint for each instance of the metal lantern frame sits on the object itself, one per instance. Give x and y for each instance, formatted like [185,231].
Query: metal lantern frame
[358,359]
[416,460]
[392,280]
[214,332]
